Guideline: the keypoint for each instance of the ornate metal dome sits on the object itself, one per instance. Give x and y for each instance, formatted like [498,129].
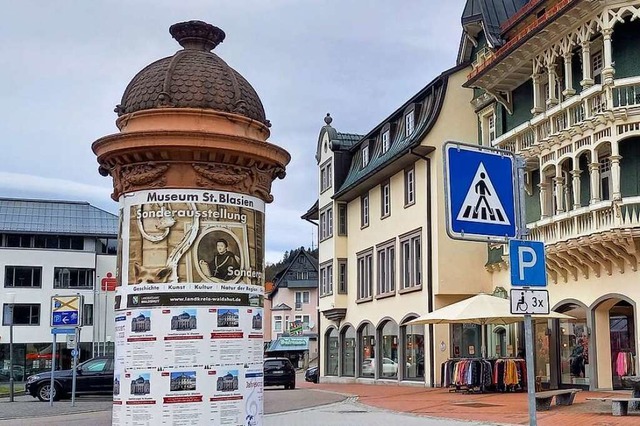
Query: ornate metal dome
[194,77]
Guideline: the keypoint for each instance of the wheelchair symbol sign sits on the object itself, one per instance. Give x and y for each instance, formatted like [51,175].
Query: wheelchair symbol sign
[529,301]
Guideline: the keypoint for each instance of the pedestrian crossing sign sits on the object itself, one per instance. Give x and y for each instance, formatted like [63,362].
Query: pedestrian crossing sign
[479,186]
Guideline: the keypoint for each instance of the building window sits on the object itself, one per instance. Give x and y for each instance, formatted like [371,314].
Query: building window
[365,155]
[18,240]
[365,275]
[388,348]
[385,199]
[72,278]
[23,314]
[348,351]
[386,140]
[332,352]
[411,263]
[23,276]
[606,185]
[87,314]
[364,211]
[386,259]
[304,320]
[342,219]
[409,186]
[54,242]
[409,123]
[277,323]
[342,276]
[107,246]
[302,297]
[465,340]
[326,223]
[302,275]
[326,176]
[413,338]
[488,126]
[597,63]
[326,279]
[367,354]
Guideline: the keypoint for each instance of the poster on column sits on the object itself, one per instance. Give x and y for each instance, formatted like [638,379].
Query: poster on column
[187,240]
[190,308]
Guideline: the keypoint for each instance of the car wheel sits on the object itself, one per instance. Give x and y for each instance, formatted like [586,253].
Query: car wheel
[43,392]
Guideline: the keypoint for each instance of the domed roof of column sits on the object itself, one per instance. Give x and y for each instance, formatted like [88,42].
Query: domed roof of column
[193,77]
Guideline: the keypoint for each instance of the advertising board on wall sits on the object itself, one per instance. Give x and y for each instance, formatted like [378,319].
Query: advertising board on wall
[189,304]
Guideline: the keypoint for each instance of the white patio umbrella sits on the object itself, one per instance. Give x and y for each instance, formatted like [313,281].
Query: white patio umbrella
[480,309]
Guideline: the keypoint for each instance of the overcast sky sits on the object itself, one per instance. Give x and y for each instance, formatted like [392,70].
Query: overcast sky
[65,64]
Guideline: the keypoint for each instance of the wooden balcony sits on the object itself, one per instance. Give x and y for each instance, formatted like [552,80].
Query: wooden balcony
[601,238]
[570,124]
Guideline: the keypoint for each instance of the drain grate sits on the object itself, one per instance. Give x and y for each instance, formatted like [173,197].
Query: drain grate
[352,411]
[476,404]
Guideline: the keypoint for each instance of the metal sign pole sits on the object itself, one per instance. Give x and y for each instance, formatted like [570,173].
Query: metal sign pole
[74,373]
[528,322]
[53,369]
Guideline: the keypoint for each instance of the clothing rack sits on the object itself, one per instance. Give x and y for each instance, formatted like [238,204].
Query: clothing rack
[625,363]
[503,374]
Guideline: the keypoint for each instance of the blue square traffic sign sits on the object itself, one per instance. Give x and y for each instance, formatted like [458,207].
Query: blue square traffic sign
[480,192]
[527,263]
[65,318]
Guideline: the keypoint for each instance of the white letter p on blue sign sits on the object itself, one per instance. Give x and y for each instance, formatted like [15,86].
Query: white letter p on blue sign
[528,265]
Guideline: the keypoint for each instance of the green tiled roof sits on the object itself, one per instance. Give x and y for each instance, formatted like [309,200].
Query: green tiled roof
[492,13]
[347,140]
[429,101]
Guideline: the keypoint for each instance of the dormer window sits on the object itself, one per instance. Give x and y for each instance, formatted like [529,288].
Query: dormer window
[365,155]
[386,140]
[409,122]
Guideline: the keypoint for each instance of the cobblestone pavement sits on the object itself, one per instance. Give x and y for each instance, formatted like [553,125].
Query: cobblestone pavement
[352,413]
[26,406]
[345,413]
[368,404]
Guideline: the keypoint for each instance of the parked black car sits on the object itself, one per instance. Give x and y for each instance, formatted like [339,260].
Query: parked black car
[93,377]
[278,372]
[311,375]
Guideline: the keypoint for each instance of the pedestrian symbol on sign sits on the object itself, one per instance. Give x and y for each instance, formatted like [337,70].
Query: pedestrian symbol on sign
[482,203]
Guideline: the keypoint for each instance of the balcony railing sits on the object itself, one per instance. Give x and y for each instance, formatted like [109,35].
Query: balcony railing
[582,222]
[572,112]
[626,93]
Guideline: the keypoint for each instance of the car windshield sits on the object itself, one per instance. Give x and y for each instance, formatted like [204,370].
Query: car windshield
[274,364]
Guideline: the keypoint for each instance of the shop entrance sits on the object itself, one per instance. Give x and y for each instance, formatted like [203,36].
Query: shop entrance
[623,345]
[573,347]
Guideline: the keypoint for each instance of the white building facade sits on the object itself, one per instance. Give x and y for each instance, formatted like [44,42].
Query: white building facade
[54,248]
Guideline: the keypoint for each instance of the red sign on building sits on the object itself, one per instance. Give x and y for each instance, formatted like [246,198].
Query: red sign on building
[109,282]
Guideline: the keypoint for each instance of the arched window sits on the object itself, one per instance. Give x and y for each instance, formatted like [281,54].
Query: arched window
[348,339]
[367,338]
[388,353]
[413,354]
[332,352]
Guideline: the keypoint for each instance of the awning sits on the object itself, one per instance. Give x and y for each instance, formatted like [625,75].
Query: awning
[290,343]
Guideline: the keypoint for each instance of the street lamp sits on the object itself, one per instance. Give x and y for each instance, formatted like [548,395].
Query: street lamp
[11,298]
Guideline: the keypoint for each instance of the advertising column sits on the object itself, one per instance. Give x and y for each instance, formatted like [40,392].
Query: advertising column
[190,309]
[192,171]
